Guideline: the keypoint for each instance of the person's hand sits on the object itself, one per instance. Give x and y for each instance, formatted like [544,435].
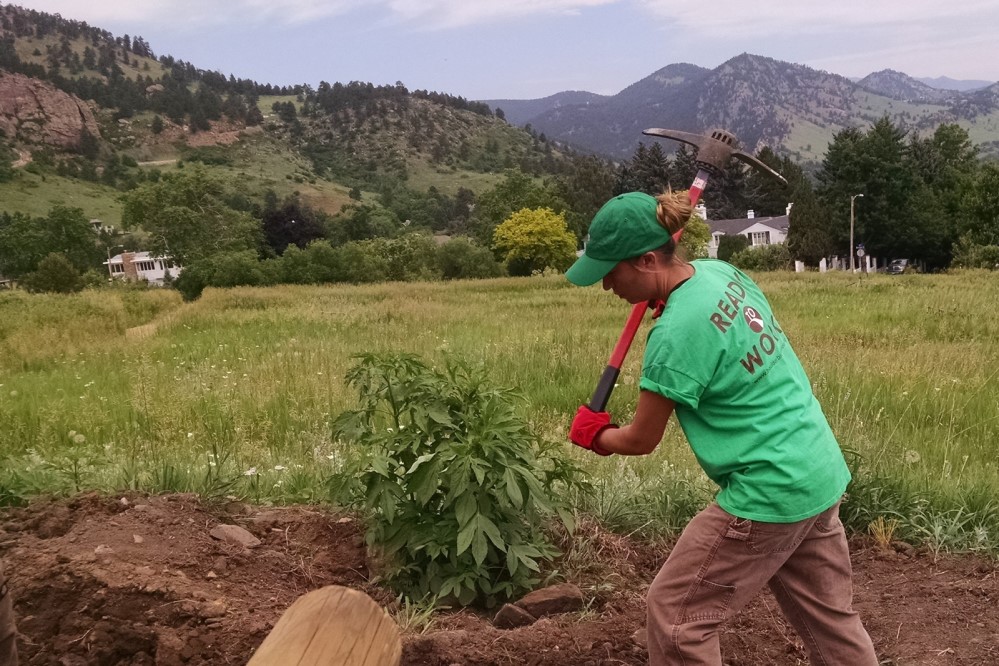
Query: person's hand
[586,426]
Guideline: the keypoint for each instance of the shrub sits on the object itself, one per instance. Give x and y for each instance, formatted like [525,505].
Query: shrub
[461,258]
[457,483]
[193,280]
[763,258]
[731,244]
[55,273]
[359,262]
[409,257]
[296,267]
[535,239]
[227,269]
[967,254]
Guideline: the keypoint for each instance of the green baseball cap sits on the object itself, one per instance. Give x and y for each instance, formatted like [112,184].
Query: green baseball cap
[624,227]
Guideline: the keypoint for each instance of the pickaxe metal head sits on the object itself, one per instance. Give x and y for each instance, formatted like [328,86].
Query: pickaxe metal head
[714,150]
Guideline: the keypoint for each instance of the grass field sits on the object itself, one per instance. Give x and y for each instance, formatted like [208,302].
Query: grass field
[235,393]
[35,195]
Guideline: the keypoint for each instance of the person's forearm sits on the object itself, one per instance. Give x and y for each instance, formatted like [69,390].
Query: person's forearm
[625,441]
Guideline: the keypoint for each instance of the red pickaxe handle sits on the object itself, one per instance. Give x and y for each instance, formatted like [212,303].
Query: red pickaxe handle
[608,379]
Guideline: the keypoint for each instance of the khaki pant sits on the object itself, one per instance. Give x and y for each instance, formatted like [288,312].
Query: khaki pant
[721,562]
[8,633]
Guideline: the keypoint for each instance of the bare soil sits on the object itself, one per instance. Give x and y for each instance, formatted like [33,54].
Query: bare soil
[139,580]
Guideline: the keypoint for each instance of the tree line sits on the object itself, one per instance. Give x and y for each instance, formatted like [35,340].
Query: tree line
[931,199]
[223,236]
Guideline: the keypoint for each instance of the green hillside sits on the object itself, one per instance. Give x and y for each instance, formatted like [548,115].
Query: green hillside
[158,113]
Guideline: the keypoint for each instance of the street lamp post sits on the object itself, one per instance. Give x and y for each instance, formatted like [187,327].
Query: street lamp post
[852,252]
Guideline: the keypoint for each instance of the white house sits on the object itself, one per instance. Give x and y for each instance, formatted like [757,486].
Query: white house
[759,230]
[142,266]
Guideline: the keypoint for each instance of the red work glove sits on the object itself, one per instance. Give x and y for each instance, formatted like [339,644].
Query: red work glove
[586,426]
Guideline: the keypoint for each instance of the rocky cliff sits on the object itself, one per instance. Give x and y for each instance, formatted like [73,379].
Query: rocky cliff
[34,112]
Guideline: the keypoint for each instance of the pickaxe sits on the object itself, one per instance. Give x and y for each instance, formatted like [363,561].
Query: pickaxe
[713,154]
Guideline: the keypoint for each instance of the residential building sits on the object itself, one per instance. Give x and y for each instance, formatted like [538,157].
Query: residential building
[759,230]
[142,266]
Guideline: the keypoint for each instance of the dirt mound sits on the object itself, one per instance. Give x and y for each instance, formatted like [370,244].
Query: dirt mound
[140,580]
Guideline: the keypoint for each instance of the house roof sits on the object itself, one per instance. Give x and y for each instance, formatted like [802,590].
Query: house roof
[740,226]
[136,256]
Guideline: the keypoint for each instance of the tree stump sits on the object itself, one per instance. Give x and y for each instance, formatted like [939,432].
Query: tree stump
[332,626]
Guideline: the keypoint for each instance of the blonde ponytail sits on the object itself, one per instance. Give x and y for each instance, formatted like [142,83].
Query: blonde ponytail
[674,210]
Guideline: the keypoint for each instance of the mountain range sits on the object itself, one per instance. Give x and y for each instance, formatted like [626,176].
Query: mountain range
[792,108]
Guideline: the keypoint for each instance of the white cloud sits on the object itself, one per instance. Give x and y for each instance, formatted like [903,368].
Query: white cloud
[189,13]
[723,18]
[457,13]
[947,57]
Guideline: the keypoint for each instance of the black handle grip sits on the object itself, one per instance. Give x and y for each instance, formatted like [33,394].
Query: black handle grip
[605,386]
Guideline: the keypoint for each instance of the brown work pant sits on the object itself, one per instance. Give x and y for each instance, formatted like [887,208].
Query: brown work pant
[8,632]
[721,562]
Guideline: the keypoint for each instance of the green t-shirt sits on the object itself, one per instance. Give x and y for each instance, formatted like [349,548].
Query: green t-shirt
[742,398]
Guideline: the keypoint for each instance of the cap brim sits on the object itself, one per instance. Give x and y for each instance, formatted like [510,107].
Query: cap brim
[587,270]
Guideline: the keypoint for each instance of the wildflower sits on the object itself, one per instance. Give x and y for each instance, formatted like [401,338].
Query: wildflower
[79,438]
[250,472]
[279,468]
[190,435]
[911,457]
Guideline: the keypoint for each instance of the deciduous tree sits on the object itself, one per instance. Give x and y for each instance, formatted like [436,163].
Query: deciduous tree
[533,239]
[25,241]
[186,218]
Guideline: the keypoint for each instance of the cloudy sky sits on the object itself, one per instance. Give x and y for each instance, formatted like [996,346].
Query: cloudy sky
[494,49]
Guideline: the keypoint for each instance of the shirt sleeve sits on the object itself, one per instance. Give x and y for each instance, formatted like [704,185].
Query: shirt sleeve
[672,384]
[677,366]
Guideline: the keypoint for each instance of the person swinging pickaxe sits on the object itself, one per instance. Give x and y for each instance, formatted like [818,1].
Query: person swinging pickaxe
[713,154]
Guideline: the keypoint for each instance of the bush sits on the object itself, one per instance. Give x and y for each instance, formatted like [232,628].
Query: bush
[193,280]
[532,240]
[359,262]
[731,244]
[461,258]
[763,258]
[457,483]
[410,257]
[227,269]
[55,273]
[969,255]
[296,267]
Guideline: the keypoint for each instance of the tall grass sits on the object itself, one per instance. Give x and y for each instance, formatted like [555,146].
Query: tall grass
[234,394]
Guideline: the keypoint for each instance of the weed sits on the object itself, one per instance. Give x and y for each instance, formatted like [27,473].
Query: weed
[883,531]
[416,617]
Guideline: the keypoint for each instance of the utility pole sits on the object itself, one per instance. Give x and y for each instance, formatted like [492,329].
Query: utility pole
[107,248]
[852,251]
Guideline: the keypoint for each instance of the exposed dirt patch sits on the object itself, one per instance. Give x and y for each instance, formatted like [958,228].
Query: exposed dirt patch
[102,581]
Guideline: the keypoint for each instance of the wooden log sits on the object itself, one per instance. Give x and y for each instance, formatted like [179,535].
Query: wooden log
[332,626]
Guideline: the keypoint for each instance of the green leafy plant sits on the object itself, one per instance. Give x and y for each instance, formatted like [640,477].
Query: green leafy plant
[457,483]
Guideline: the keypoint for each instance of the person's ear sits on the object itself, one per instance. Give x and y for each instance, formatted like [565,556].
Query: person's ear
[648,261]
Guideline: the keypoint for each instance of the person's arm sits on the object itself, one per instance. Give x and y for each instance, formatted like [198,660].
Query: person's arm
[644,433]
